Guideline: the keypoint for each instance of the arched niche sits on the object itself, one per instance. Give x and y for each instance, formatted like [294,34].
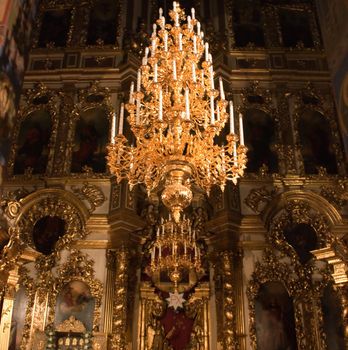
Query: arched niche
[316,142]
[33,142]
[102,26]
[46,233]
[90,140]
[332,319]
[259,129]
[274,318]
[302,237]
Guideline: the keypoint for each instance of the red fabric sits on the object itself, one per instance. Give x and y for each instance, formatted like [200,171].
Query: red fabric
[177,328]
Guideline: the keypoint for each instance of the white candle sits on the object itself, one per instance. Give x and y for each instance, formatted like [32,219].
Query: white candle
[146,55]
[137,115]
[212,119]
[212,77]
[113,128]
[131,91]
[174,70]
[154,28]
[120,126]
[231,118]
[189,25]
[198,28]
[194,44]
[160,110]
[180,41]
[174,5]
[187,103]
[138,80]
[194,72]
[222,93]
[217,112]
[157,233]
[193,13]
[206,46]
[160,11]
[153,47]
[166,41]
[210,58]
[155,73]
[241,132]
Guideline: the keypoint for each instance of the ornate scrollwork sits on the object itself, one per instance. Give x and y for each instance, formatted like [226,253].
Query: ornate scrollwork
[92,193]
[258,195]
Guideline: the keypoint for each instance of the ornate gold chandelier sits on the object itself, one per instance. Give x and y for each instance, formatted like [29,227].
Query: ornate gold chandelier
[175,112]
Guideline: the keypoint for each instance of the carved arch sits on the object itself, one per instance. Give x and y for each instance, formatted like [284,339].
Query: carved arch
[314,201]
[52,202]
[298,212]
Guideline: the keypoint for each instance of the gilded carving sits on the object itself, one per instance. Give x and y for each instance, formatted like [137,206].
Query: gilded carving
[337,194]
[92,193]
[260,195]
[115,196]
[118,339]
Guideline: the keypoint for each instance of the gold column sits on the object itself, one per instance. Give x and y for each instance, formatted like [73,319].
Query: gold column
[229,336]
[342,290]
[109,290]
[119,329]
[7,310]
[239,301]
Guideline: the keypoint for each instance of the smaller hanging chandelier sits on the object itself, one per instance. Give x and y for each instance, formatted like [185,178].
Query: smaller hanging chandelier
[175,250]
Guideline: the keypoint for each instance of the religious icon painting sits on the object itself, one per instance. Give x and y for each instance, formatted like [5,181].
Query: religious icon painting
[33,143]
[274,318]
[75,299]
[91,138]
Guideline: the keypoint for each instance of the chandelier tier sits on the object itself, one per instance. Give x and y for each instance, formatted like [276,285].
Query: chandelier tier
[175,112]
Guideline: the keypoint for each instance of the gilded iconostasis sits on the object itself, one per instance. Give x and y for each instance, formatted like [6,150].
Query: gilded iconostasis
[89,262]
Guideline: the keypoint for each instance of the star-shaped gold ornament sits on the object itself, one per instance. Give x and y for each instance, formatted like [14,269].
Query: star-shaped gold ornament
[176,300]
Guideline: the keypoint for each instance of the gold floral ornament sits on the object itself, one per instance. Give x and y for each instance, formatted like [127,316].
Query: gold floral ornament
[175,112]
